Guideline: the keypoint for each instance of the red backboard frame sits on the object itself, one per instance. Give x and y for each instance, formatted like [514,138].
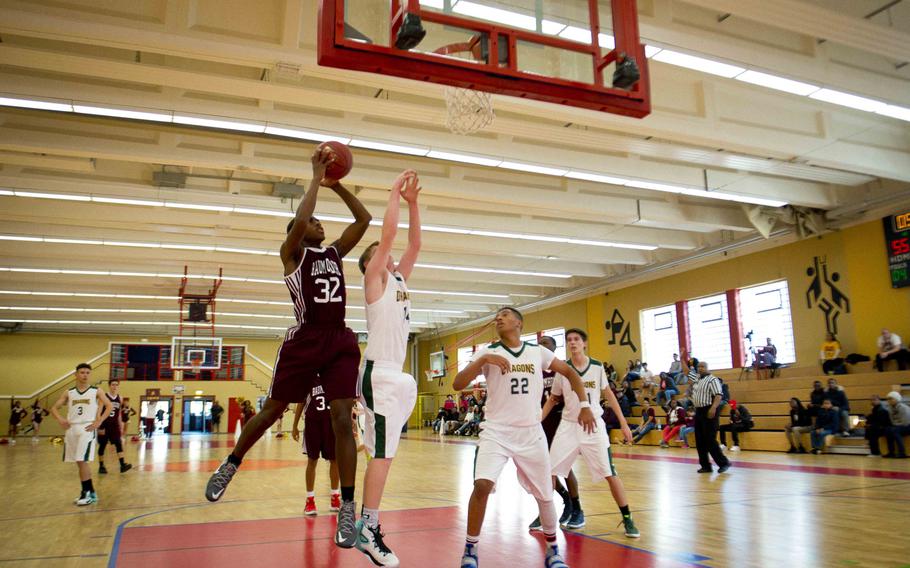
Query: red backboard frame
[334,50]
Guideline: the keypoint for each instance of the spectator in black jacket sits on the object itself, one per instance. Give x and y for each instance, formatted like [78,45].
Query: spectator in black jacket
[825,424]
[815,398]
[740,421]
[629,393]
[877,423]
[838,398]
[800,423]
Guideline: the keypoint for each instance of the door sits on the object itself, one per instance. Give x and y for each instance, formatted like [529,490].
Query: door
[197,414]
[161,408]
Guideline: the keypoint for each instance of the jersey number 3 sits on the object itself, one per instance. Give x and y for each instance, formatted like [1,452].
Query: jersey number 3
[329,287]
[523,385]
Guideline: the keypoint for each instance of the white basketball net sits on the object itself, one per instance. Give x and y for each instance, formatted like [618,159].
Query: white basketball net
[468,110]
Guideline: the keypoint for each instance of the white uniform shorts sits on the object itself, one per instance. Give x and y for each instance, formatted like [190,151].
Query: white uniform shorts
[79,445]
[571,440]
[526,447]
[388,397]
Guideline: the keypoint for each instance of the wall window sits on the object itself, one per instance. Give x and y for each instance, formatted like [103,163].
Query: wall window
[659,337]
[559,335]
[709,330]
[765,311]
[150,362]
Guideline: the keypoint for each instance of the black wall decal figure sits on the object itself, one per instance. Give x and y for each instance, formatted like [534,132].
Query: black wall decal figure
[617,325]
[832,304]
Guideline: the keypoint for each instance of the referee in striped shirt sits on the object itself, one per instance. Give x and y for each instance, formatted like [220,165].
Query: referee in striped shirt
[706,394]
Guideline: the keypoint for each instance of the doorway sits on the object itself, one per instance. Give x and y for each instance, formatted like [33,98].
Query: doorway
[197,414]
[156,414]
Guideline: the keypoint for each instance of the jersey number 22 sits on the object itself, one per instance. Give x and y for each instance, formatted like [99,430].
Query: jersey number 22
[519,387]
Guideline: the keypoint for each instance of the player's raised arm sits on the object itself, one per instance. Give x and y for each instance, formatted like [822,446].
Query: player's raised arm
[355,231]
[375,272]
[321,160]
[409,193]
[585,417]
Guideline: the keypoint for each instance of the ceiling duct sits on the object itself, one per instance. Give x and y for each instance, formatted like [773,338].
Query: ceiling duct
[169,179]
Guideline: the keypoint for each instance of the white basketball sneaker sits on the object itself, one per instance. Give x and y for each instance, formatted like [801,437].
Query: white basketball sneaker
[369,541]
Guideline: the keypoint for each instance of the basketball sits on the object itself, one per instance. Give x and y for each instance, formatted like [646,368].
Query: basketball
[342,159]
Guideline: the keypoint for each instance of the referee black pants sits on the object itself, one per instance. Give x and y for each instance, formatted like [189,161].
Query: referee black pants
[706,439]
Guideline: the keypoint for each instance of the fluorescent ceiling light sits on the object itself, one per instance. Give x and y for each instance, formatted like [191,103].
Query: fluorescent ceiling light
[469,294]
[492,270]
[651,51]
[396,148]
[777,83]
[222,123]
[895,111]
[550,27]
[745,198]
[599,178]
[304,134]
[203,248]
[199,206]
[848,100]
[533,168]
[72,241]
[272,213]
[131,244]
[440,229]
[120,201]
[465,158]
[64,196]
[495,15]
[124,113]
[36,104]
[698,63]
[20,238]
[655,186]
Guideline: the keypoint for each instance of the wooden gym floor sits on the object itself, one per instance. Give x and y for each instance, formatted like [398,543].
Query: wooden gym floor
[771,509]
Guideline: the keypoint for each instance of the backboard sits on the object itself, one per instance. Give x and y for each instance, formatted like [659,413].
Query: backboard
[195,353]
[581,53]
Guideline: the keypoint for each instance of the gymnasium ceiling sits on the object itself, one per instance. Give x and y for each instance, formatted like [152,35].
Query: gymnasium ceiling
[98,259]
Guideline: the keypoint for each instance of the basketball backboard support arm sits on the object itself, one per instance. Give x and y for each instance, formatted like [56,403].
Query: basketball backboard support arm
[207,299]
[501,75]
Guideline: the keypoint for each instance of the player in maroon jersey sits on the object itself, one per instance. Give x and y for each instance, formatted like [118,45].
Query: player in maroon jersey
[110,431]
[318,346]
[318,438]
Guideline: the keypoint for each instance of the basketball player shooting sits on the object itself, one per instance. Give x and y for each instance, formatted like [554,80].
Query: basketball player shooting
[319,346]
[512,429]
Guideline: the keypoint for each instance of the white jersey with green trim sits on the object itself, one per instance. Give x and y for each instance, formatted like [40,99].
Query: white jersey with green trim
[513,398]
[389,323]
[595,381]
[83,406]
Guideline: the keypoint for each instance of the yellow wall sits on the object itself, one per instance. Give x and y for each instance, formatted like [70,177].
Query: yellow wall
[857,254]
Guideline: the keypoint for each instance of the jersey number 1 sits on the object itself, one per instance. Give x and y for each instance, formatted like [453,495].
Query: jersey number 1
[327,284]
[524,385]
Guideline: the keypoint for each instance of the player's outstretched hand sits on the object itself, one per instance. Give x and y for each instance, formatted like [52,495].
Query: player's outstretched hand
[627,434]
[321,160]
[498,361]
[411,188]
[586,419]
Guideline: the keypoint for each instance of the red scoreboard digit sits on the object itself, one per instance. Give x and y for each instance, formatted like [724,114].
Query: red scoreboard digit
[897,238]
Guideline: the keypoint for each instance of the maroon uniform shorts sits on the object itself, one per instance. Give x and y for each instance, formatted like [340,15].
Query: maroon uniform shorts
[319,439]
[316,354]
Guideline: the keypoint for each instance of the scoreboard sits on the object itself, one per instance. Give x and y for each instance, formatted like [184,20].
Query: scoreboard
[897,238]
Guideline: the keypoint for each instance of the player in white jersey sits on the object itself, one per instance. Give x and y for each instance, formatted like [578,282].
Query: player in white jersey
[572,441]
[387,394]
[87,407]
[512,430]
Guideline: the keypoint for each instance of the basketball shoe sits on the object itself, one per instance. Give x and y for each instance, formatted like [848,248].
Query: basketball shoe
[577,521]
[554,559]
[346,531]
[630,528]
[535,525]
[469,558]
[219,480]
[310,507]
[102,470]
[125,467]
[369,542]
[335,505]
[87,498]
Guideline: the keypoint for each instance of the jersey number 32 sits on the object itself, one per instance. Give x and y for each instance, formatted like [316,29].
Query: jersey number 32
[328,289]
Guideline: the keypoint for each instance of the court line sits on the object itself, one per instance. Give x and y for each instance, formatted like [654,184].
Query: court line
[36,558]
[115,549]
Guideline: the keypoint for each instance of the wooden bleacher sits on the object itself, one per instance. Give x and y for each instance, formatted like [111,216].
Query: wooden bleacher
[768,401]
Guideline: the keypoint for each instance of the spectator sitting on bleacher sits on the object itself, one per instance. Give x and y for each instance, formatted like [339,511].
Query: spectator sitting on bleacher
[624,405]
[740,421]
[633,371]
[877,423]
[724,395]
[815,398]
[667,389]
[470,421]
[766,357]
[900,426]
[456,419]
[688,428]
[685,401]
[800,423]
[830,356]
[838,398]
[629,394]
[649,421]
[610,372]
[441,417]
[676,370]
[826,423]
[648,384]
[676,419]
[449,404]
[890,348]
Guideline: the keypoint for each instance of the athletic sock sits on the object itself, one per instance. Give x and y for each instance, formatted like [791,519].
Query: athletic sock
[472,541]
[347,493]
[89,485]
[625,511]
[310,493]
[370,517]
[86,486]
[562,491]
[551,538]
[336,491]
[234,459]
[576,503]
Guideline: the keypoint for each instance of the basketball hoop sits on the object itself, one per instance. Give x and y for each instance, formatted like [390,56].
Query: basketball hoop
[467,110]
[196,364]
